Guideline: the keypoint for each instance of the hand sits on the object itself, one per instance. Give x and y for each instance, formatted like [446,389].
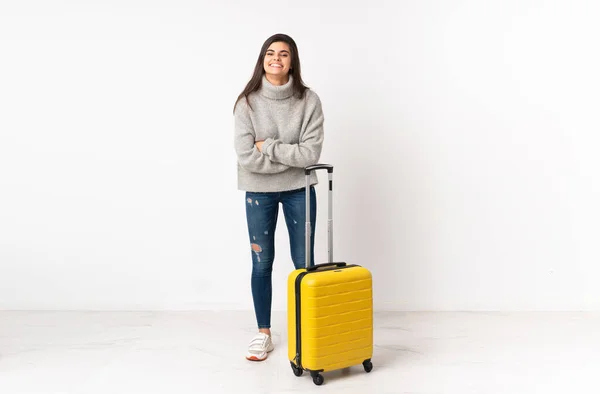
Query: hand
[259,145]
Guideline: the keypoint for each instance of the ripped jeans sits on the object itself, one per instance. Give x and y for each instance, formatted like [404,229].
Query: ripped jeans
[262,210]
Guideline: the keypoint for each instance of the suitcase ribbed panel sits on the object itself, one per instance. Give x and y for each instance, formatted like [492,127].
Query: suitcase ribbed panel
[338,310]
[335,297]
[330,343]
[338,328]
[323,288]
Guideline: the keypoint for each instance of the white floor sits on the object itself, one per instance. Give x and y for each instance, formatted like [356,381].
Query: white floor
[203,352]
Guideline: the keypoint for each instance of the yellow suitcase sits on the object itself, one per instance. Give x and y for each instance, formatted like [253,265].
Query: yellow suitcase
[330,309]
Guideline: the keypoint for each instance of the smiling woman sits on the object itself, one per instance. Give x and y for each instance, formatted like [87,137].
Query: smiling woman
[277,63]
[278,133]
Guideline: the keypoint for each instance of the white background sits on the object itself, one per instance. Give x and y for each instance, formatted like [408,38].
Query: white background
[464,135]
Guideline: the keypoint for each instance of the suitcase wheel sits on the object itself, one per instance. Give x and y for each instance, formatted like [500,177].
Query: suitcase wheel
[297,371]
[317,378]
[368,365]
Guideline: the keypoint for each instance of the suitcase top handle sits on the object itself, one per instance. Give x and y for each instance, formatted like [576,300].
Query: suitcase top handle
[312,168]
[307,171]
[324,265]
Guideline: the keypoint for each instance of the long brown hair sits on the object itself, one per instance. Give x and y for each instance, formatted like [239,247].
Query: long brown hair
[256,80]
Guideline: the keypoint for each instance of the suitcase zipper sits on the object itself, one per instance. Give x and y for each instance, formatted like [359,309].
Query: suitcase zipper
[298,325]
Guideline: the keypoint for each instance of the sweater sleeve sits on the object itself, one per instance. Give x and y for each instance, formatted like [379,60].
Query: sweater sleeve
[249,157]
[308,151]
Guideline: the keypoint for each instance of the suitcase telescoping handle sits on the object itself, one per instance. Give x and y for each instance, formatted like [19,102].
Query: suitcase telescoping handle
[308,171]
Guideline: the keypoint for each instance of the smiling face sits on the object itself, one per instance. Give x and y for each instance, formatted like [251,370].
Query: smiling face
[278,60]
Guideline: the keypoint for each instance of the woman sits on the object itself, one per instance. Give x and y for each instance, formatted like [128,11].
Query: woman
[278,132]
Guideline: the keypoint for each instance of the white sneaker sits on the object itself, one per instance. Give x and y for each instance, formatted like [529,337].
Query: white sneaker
[259,347]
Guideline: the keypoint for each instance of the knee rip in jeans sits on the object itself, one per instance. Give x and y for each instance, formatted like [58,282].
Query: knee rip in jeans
[256,249]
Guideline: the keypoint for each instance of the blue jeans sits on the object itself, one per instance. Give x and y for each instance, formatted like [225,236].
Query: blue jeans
[262,210]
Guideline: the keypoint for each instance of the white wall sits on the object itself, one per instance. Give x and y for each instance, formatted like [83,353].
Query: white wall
[464,135]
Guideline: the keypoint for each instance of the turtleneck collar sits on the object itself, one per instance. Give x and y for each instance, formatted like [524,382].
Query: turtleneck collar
[271,91]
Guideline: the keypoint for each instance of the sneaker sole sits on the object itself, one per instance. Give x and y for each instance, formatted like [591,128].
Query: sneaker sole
[254,358]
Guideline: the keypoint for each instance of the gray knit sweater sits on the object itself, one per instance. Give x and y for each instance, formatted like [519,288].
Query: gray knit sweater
[292,129]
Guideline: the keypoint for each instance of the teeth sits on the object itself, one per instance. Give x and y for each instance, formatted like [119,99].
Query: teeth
[275,65]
